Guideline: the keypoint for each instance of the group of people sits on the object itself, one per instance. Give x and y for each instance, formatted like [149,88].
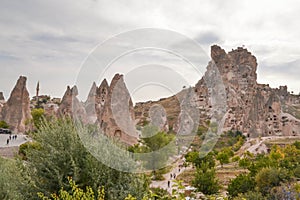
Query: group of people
[173,175]
[14,137]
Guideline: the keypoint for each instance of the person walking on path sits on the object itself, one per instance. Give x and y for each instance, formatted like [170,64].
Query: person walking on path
[168,184]
[7,141]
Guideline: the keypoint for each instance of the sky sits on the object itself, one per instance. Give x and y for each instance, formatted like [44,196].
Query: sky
[54,41]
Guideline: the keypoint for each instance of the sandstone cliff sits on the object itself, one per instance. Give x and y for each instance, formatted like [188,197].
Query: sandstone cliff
[253,108]
[115,110]
[71,106]
[90,105]
[16,111]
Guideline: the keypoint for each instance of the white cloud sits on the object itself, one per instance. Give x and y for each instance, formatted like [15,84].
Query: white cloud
[48,40]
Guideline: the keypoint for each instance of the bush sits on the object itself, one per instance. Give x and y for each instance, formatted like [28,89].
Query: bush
[62,154]
[205,180]
[251,195]
[241,184]
[268,178]
[3,124]
[297,172]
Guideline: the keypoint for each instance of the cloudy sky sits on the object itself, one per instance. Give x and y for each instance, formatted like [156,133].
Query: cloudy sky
[51,41]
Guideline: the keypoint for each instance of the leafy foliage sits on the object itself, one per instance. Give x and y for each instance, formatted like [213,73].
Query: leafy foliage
[10,179]
[37,116]
[205,180]
[195,158]
[3,124]
[267,178]
[158,144]
[76,193]
[241,184]
[61,155]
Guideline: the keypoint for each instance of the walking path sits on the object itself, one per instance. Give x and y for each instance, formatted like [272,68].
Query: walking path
[164,183]
[11,149]
[13,142]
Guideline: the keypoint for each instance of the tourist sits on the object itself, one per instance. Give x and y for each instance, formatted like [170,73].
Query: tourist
[171,176]
[174,175]
[168,183]
[7,141]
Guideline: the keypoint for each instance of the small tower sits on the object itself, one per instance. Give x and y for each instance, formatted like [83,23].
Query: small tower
[37,92]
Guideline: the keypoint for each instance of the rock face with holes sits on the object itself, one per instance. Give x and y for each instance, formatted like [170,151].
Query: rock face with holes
[2,101]
[255,109]
[101,99]
[115,110]
[231,81]
[70,105]
[16,110]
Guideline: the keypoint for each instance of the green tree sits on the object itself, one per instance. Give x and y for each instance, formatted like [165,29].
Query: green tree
[244,163]
[76,193]
[10,179]
[267,178]
[3,124]
[205,180]
[195,158]
[61,155]
[224,156]
[241,184]
[153,142]
[37,116]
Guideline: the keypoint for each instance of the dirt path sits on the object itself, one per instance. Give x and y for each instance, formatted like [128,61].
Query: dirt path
[175,170]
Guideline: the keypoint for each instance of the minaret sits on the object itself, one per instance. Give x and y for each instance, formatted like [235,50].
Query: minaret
[37,92]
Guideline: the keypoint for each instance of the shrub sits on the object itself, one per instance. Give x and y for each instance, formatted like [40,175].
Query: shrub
[241,184]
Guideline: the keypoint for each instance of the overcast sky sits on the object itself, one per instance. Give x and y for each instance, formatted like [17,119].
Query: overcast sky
[50,40]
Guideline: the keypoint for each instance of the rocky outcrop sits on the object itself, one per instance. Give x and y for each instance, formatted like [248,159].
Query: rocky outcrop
[253,108]
[2,101]
[1,97]
[101,98]
[90,105]
[71,106]
[115,110]
[16,111]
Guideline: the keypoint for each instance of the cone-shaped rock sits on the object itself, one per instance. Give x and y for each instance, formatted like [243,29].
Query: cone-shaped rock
[16,111]
[117,116]
[71,106]
[90,105]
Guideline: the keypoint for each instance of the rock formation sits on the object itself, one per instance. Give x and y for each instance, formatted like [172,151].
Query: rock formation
[1,97]
[2,101]
[255,109]
[90,105]
[71,106]
[115,110]
[101,98]
[16,111]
